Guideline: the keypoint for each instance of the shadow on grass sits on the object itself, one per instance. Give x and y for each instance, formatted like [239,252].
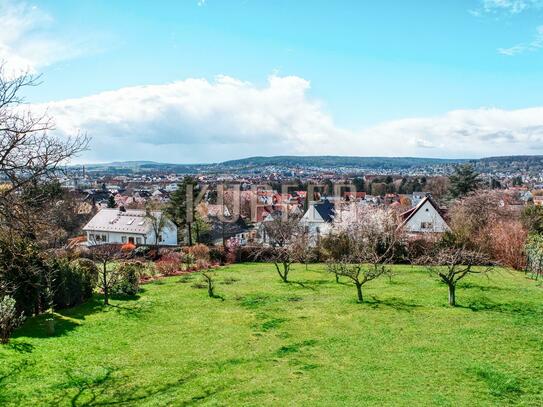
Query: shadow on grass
[483,288]
[516,308]
[6,375]
[501,384]
[36,327]
[20,347]
[393,302]
[108,387]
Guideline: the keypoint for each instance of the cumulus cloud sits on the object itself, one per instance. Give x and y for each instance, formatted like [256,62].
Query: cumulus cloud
[197,120]
[25,41]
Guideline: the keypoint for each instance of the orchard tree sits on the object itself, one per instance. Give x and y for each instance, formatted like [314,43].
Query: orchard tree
[281,233]
[372,238]
[452,264]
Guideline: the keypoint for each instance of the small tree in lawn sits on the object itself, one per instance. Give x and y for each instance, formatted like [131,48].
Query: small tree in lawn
[452,264]
[281,233]
[105,254]
[372,239]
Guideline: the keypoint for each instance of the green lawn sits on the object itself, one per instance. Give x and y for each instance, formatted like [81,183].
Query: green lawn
[303,343]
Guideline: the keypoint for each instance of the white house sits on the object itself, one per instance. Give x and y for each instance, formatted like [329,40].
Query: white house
[426,217]
[317,221]
[128,226]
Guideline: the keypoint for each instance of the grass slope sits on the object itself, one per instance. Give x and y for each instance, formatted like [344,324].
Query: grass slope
[304,343]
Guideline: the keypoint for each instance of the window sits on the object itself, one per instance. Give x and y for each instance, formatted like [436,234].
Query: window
[123,239]
[91,237]
[104,238]
[138,240]
[160,238]
[426,225]
[131,240]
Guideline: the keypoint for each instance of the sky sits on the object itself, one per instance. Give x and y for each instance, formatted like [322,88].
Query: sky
[210,80]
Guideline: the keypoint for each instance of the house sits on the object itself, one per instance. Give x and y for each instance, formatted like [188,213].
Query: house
[318,218]
[426,217]
[222,231]
[128,226]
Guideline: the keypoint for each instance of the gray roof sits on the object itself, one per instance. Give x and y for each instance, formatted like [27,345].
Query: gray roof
[114,220]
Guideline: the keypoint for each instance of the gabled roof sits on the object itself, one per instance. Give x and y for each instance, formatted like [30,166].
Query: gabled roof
[326,210]
[411,212]
[220,229]
[115,220]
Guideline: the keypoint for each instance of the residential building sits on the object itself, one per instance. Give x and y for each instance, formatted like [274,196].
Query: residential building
[129,226]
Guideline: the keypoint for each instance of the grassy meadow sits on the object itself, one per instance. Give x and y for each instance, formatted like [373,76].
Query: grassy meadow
[303,343]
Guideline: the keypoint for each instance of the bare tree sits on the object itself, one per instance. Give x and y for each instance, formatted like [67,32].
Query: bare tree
[29,153]
[452,264]
[372,239]
[281,233]
[158,222]
[105,254]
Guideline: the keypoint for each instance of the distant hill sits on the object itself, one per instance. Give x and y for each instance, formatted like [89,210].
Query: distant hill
[341,161]
[531,163]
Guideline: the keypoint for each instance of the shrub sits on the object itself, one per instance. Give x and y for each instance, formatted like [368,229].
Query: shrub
[22,272]
[202,264]
[253,253]
[507,242]
[189,261]
[217,254]
[128,279]
[141,250]
[10,318]
[72,282]
[167,267]
[419,247]
[232,252]
[199,251]
[89,268]
[128,247]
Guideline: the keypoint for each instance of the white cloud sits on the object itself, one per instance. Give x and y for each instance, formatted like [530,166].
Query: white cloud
[25,40]
[534,45]
[509,6]
[196,120]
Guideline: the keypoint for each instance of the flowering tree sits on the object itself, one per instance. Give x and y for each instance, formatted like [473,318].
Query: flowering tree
[534,254]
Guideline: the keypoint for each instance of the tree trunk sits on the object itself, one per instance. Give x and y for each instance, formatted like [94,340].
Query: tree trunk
[104,283]
[284,274]
[452,295]
[189,227]
[210,288]
[359,292]
[286,268]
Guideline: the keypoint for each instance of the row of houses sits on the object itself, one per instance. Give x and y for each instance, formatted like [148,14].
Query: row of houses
[135,226]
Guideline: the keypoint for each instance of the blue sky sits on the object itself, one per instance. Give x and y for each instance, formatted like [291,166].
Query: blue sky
[447,78]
